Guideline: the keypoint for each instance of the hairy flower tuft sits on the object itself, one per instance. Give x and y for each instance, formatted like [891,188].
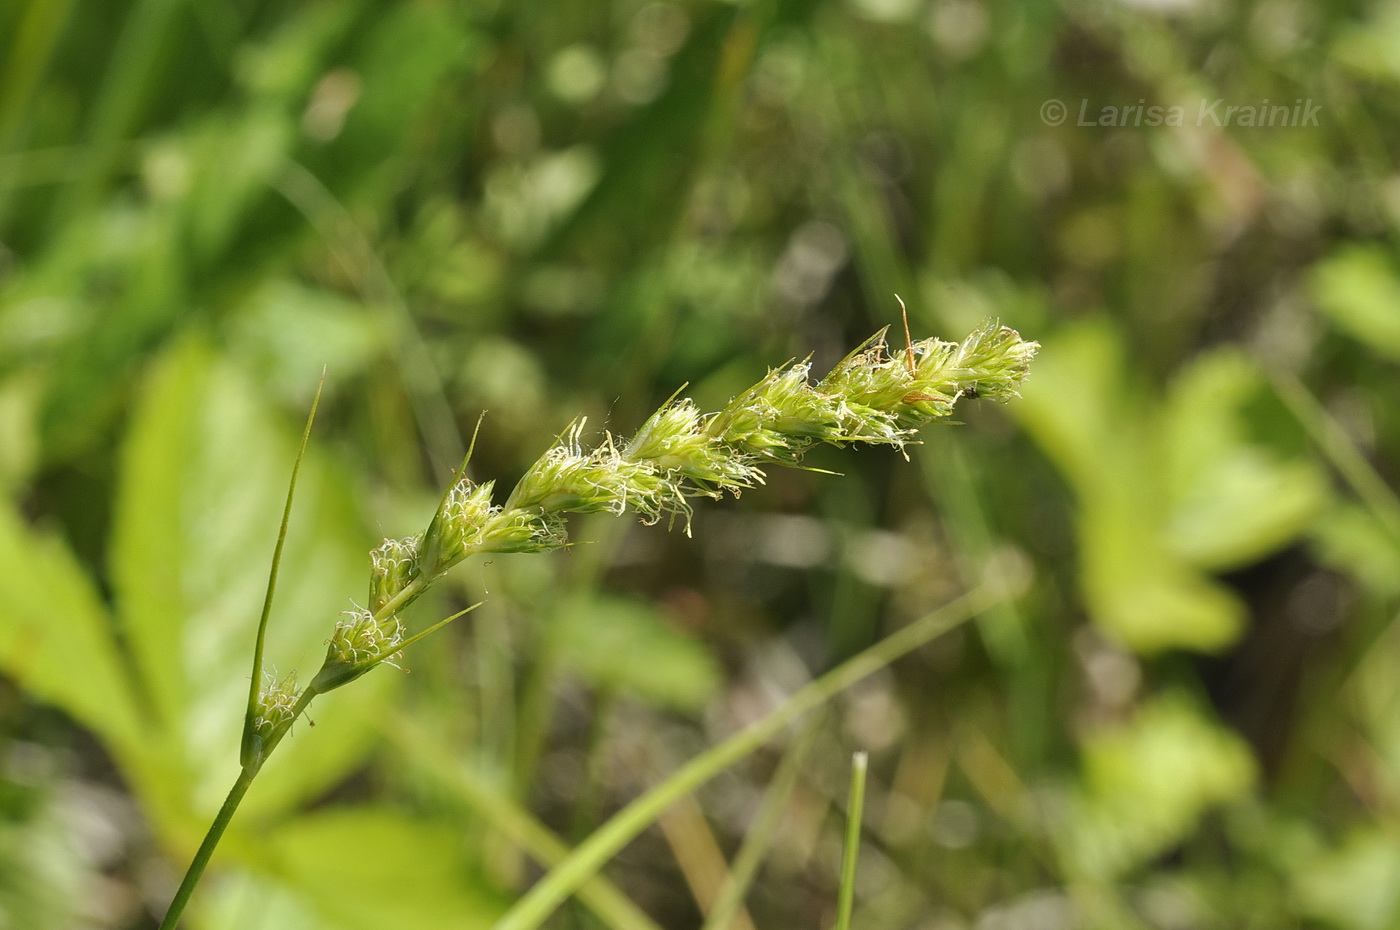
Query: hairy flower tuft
[274,710]
[674,438]
[784,415]
[358,644]
[393,566]
[468,523]
[993,360]
[518,530]
[463,515]
[567,479]
[873,396]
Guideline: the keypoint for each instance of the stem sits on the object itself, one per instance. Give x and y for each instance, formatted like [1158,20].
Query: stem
[846,898]
[541,900]
[1339,449]
[759,836]
[253,762]
[206,849]
[225,814]
[472,791]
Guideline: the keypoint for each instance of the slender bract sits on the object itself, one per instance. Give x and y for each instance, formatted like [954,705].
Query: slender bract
[679,454]
[260,711]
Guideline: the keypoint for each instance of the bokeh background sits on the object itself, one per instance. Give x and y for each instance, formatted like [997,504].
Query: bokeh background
[546,210]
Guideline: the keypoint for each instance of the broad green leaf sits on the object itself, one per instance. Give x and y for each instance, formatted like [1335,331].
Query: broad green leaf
[1359,290]
[627,646]
[1077,405]
[362,869]
[1091,420]
[55,636]
[1233,500]
[241,898]
[204,473]
[43,869]
[1146,783]
[1370,48]
[1145,596]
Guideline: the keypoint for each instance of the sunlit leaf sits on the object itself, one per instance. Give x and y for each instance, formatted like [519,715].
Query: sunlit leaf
[1355,886]
[1234,500]
[1098,428]
[1147,782]
[1350,539]
[1359,290]
[55,636]
[370,869]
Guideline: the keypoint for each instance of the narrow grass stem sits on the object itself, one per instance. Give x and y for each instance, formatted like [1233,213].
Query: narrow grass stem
[551,891]
[758,837]
[206,849]
[222,818]
[869,397]
[845,902]
[1339,449]
[254,764]
[473,791]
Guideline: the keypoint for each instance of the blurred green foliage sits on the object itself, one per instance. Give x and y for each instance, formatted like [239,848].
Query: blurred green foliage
[552,210]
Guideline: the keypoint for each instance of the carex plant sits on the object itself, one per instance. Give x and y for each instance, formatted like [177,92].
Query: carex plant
[874,395]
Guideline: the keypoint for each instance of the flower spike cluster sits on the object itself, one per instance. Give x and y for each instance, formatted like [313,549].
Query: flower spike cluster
[874,395]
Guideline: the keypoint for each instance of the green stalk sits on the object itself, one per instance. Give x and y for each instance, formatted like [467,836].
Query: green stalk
[253,764]
[551,891]
[206,849]
[845,901]
[221,820]
[1338,448]
[472,791]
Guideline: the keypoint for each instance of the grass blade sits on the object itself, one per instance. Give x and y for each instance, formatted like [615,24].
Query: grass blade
[537,904]
[760,834]
[845,901]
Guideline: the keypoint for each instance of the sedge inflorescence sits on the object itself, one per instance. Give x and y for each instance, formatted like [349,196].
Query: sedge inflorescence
[874,395]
